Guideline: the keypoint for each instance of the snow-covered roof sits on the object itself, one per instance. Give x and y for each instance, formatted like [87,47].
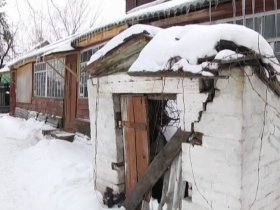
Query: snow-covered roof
[182,46]
[4,70]
[160,9]
[63,45]
[189,50]
[150,31]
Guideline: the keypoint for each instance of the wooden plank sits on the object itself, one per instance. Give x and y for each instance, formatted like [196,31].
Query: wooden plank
[70,94]
[140,105]
[73,72]
[218,12]
[156,169]
[120,58]
[130,148]
[98,37]
[135,125]
[53,68]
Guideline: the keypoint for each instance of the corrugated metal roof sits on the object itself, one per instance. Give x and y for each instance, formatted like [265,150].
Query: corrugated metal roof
[157,12]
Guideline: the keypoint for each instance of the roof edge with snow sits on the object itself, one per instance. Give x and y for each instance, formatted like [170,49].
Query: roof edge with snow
[156,12]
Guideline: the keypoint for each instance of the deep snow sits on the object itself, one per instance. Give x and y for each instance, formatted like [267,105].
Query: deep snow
[37,173]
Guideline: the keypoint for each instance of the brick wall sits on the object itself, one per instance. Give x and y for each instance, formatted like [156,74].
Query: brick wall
[130,4]
[82,109]
[214,168]
[44,105]
[260,121]
[224,169]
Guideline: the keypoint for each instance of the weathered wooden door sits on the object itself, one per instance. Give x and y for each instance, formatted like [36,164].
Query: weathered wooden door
[70,97]
[136,138]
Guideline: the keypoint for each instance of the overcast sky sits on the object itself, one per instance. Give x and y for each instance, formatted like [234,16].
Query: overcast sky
[19,16]
[18,9]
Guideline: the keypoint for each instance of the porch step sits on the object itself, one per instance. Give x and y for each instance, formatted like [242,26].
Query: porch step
[46,132]
[63,135]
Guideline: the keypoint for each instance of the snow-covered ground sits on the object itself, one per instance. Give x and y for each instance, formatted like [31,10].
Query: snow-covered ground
[37,173]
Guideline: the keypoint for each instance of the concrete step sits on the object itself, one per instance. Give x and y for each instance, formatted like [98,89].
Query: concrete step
[46,132]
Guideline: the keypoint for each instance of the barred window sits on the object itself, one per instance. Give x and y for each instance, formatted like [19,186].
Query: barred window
[85,57]
[47,82]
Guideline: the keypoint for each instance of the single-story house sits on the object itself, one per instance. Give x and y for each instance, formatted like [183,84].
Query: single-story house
[261,16]
[188,114]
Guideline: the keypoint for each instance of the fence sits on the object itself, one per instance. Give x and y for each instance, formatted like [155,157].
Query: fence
[4,98]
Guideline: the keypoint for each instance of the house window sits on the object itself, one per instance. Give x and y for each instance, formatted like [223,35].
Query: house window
[269,27]
[47,82]
[249,23]
[278,25]
[85,57]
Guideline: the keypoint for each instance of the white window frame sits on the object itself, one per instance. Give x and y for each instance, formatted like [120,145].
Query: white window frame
[83,76]
[53,83]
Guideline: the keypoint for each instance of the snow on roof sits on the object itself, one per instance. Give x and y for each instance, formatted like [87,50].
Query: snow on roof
[5,69]
[186,44]
[160,10]
[118,40]
[62,45]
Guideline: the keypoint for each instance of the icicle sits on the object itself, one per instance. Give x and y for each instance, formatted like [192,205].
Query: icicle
[244,11]
[210,11]
[234,10]
[253,12]
[276,19]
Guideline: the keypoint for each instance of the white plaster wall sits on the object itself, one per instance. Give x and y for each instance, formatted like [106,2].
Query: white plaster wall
[104,134]
[222,170]
[264,156]
[214,169]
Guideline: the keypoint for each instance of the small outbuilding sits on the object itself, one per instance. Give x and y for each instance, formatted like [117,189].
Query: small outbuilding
[189,115]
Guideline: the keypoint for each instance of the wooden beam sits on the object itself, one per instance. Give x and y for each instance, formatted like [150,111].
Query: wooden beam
[68,68]
[156,169]
[101,36]
[120,58]
[53,68]
[218,12]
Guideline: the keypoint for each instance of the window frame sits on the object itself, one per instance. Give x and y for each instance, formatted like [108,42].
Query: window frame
[85,56]
[53,84]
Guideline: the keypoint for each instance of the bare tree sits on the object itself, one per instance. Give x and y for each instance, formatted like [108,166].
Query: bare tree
[61,18]
[6,37]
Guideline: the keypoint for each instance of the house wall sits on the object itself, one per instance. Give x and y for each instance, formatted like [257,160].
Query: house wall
[21,92]
[44,105]
[130,4]
[261,156]
[190,103]
[13,93]
[82,116]
[108,141]
[215,168]
[223,170]
[24,84]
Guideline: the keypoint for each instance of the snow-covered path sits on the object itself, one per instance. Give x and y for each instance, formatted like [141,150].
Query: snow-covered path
[14,138]
[44,174]
[9,149]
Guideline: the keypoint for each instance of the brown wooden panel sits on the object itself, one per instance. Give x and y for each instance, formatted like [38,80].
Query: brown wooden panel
[136,139]
[70,94]
[130,148]
[140,105]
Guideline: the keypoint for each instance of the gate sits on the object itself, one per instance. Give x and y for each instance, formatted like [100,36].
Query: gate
[4,98]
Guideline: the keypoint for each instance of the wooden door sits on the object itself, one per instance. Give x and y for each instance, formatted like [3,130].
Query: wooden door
[70,94]
[136,138]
